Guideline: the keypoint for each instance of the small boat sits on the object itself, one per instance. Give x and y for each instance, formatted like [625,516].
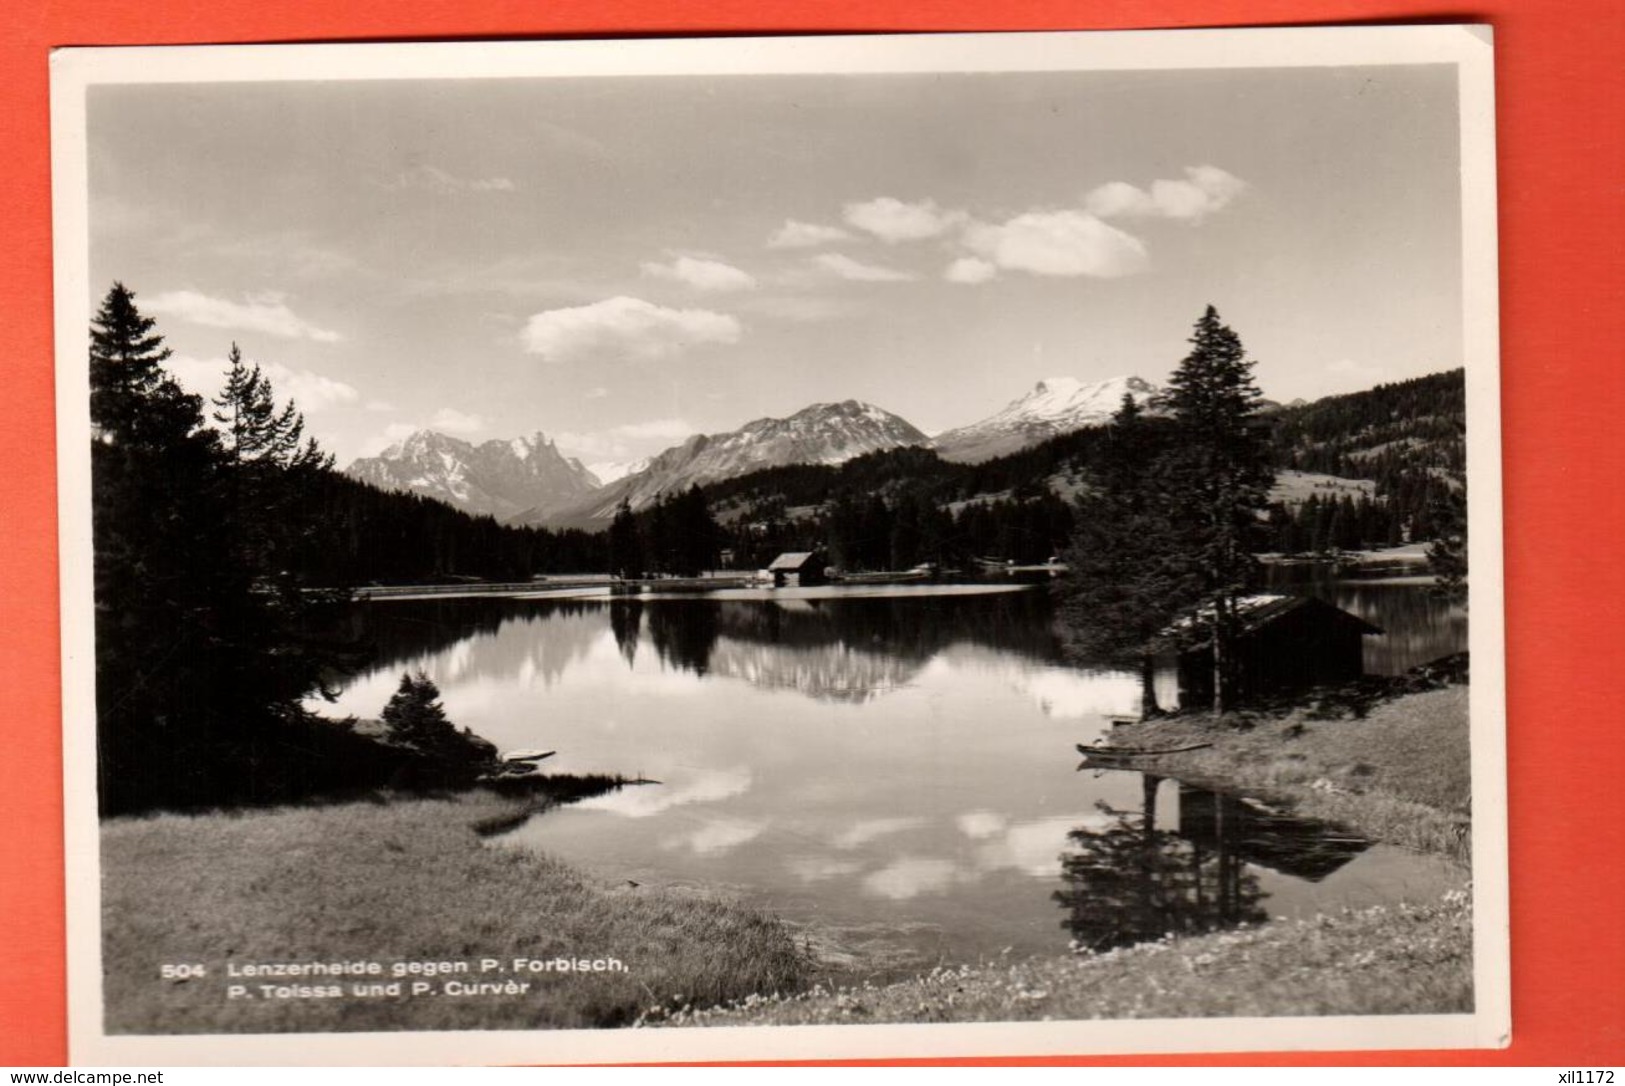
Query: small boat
[527,755]
[1132,752]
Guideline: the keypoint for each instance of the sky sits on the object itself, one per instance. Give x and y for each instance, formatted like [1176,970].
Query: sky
[620,262]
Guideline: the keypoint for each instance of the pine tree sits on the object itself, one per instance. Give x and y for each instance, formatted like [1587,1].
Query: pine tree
[625,543]
[257,434]
[414,714]
[1221,474]
[133,401]
[272,467]
[416,719]
[204,650]
[158,543]
[1447,554]
[1128,576]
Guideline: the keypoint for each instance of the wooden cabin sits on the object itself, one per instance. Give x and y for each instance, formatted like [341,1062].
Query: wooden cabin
[798,569]
[1284,643]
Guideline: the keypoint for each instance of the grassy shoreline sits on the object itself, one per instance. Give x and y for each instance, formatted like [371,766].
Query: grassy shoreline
[1412,959]
[401,879]
[1399,773]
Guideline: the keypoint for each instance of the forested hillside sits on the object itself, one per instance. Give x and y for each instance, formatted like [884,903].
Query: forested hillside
[1408,437]
[1385,433]
[366,535]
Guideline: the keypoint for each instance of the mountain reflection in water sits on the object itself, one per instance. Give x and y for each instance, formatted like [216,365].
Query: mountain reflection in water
[847,650]
[898,770]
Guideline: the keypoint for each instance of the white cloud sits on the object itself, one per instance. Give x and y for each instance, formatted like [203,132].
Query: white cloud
[619,445]
[893,220]
[1116,198]
[1203,191]
[434,179]
[311,392]
[844,266]
[380,406]
[821,868]
[718,835]
[805,235]
[910,877]
[595,393]
[267,313]
[1060,243]
[624,327]
[394,432]
[1078,694]
[680,790]
[1033,847]
[449,420]
[1353,374]
[981,824]
[970,269]
[866,830]
[667,428]
[710,275]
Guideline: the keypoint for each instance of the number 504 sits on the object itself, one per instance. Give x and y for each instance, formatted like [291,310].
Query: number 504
[182,971]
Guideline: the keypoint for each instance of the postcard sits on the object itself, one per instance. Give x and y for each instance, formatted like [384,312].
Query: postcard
[799,547]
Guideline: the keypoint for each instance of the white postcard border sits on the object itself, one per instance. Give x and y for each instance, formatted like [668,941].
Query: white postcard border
[73,71]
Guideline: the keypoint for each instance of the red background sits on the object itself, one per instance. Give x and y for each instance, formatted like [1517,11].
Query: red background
[1560,86]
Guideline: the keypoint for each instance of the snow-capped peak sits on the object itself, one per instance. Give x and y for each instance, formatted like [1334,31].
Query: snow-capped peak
[496,477]
[1056,405]
[823,433]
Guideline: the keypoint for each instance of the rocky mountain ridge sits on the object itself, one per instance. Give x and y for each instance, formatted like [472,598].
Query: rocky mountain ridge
[499,478]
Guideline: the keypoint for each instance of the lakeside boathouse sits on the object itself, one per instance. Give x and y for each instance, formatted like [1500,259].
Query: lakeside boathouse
[1284,643]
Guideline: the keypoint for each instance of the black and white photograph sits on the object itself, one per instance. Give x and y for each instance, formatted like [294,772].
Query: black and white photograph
[571,545]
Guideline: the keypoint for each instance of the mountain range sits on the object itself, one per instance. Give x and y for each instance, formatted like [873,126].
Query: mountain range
[499,478]
[825,433]
[528,481]
[1056,405]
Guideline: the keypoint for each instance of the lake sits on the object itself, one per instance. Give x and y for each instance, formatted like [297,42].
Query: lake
[893,769]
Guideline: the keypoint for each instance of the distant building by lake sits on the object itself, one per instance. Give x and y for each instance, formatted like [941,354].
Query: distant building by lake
[798,569]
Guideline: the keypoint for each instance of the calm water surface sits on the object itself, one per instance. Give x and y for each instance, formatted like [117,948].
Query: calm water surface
[894,767]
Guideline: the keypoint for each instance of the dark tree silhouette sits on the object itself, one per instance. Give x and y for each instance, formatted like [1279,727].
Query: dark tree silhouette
[162,658]
[1128,882]
[1219,472]
[1129,576]
[1448,553]
[134,402]
[626,555]
[416,719]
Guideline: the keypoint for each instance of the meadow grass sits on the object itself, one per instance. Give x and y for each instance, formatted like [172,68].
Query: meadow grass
[402,879]
[1409,959]
[1399,774]
[408,879]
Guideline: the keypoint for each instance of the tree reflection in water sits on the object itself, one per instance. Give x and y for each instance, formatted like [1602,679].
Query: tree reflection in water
[1127,882]
[626,622]
[684,633]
